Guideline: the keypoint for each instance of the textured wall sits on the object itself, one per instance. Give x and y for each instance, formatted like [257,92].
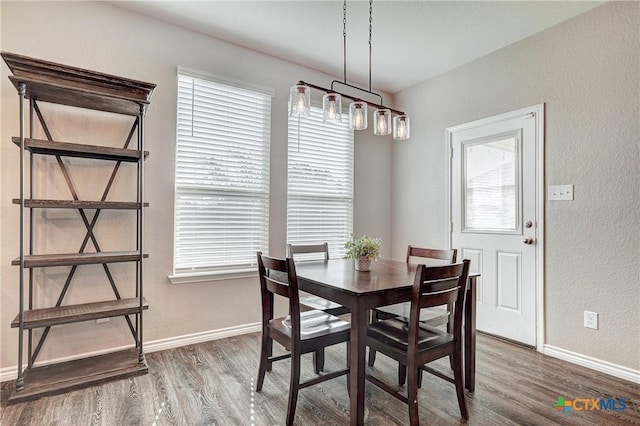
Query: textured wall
[586,72]
[105,38]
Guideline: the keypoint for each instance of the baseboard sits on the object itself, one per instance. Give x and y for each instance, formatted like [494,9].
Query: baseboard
[10,373]
[205,336]
[593,363]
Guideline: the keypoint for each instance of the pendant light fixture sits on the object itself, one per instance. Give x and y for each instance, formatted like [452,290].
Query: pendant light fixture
[384,121]
[332,108]
[300,100]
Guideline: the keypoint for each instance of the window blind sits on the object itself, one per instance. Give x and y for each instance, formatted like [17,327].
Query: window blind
[320,182]
[222,176]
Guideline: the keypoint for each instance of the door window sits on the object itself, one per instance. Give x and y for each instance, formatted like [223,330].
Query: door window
[491,184]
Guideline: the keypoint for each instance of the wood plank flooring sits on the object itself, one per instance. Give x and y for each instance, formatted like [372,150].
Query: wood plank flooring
[213,384]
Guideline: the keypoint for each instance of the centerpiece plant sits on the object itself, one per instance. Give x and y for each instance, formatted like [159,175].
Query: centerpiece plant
[362,250]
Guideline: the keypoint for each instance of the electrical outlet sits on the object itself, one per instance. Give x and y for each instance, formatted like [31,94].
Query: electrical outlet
[102,320]
[591,320]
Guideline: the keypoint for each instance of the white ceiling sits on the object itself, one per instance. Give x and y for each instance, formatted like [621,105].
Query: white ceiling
[412,40]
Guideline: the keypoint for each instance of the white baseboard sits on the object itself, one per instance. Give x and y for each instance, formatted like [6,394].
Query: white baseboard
[205,336]
[10,373]
[593,363]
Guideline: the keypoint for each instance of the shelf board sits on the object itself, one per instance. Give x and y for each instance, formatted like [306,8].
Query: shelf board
[72,375]
[67,149]
[46,317]
[67,85]
[79,204]
[64,259]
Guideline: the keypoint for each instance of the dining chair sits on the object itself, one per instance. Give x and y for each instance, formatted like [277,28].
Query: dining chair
[305,252]
[419,343]
[308,252]
[434,316]
[299,332]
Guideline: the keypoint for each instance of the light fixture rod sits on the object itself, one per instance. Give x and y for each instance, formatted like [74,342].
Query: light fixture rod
[370,21]
[344,39]
[372,104]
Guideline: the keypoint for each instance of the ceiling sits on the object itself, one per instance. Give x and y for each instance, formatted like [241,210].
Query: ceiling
[412,41]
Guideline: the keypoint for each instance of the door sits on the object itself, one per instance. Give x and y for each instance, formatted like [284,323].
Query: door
[494,217]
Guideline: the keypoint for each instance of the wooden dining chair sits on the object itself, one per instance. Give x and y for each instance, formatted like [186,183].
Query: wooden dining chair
[419,343]
[305,252]
[435,316]
[308,252]
[299,332]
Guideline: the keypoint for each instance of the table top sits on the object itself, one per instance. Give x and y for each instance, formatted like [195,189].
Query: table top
[340,273]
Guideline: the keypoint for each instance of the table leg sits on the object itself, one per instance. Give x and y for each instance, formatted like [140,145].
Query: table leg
[470,336]
[359,323]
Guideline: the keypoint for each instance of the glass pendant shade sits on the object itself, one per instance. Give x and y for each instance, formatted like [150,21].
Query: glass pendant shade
[332,108]
[358,115]
[401,127]
[382,122]
[300,100]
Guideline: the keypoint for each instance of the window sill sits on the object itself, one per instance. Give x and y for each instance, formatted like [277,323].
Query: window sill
[198,277]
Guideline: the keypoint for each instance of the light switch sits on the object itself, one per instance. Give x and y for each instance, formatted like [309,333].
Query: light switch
[560,193]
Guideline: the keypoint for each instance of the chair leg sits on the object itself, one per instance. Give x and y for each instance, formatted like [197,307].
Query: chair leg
[419,378]
[402,374]
[266,351]
[294,386]
[412,396]
[372,353]
[318,360]
[459,382]
[372,357]
[349,368]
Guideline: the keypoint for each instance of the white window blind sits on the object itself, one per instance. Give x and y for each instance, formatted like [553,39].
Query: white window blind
[320,182]
[222,176]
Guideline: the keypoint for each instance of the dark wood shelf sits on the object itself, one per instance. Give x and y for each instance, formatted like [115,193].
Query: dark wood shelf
[73,204]
[72,375]
[62,84]
[39,82]
[46,317]
[64,259]
[67,149]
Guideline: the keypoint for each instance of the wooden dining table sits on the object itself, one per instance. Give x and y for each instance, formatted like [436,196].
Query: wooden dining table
[387,283]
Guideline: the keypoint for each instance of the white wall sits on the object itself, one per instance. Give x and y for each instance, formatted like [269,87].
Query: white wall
[586,72]
[103,37]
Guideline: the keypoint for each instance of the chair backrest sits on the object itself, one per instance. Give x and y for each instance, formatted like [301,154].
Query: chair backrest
[448,255]
[278,276]
[435,286]
[307,251]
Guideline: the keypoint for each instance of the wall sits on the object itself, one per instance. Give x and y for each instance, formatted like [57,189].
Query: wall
[103,37]
[586,72]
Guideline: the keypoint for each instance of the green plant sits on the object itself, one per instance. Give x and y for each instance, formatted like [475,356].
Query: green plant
[364,246]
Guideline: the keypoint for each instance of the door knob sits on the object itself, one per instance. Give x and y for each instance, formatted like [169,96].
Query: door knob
[528,240]
[528,224]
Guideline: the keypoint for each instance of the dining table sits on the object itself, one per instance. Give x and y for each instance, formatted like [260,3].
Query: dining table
[388,282]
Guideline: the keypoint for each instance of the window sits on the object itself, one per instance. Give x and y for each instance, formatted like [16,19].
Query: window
[222,176]
[320,182]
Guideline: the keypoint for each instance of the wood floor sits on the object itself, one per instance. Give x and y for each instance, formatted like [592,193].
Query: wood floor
[213,384]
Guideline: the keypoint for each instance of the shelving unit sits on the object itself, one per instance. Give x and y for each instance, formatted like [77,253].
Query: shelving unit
[44,81]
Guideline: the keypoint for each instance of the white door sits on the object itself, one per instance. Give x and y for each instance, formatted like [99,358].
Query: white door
[494,217]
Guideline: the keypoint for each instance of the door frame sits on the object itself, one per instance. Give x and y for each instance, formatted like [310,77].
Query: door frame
[537,112]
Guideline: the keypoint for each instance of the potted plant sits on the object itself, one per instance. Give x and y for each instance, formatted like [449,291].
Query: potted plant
[362,250]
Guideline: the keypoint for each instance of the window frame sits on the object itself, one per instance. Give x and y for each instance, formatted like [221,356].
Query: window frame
[336,242]
[241,269]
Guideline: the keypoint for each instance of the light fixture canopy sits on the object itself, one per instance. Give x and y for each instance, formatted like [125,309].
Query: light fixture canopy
[332,108]
[300,100]
[382,122]
[401,127]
